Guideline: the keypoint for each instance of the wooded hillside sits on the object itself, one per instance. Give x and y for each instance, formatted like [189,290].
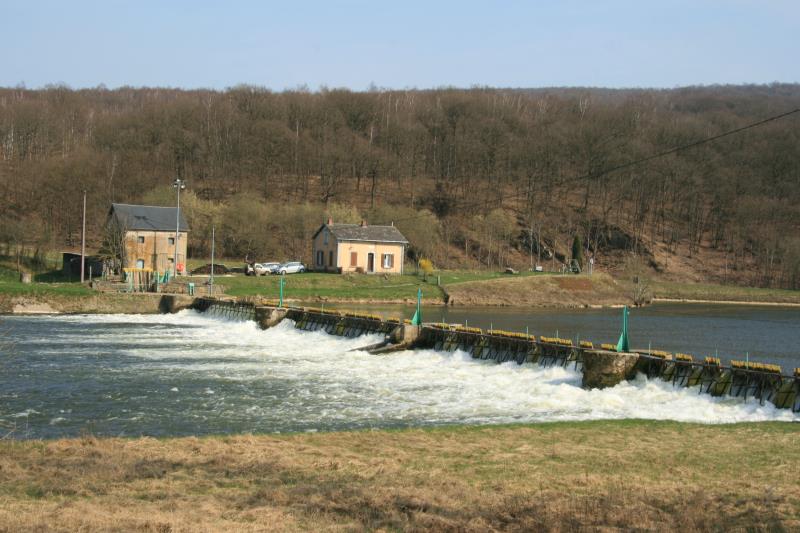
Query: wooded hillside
[474,177]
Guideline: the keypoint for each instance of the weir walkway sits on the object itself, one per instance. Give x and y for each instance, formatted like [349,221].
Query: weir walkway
[602,366]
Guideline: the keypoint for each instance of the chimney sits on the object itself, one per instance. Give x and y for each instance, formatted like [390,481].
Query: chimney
[363,223]
[330,221]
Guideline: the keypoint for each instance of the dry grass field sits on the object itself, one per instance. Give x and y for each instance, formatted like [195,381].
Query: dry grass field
[551,477]
[541,291]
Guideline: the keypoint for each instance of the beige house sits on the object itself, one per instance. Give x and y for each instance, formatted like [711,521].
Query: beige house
[145,236]
[358,248]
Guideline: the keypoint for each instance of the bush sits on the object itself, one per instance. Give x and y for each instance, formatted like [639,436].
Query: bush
[426,266]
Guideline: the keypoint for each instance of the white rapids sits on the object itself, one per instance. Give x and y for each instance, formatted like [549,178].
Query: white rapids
[226,376]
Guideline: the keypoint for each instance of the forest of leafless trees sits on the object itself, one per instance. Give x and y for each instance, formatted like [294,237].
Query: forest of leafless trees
[475,177]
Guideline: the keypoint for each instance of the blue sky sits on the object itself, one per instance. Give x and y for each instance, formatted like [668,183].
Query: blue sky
[279,45]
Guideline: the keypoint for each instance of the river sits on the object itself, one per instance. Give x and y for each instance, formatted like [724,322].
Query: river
[731,331]
[190,374]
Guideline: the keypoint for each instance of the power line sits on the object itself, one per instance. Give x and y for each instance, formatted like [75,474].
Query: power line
[629,163]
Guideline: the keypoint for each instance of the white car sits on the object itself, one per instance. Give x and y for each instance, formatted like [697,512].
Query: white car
[292,267]
[265,269]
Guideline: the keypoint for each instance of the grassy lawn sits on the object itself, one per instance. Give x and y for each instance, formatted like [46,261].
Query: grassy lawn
[45,284]
[586,476]
[708,291]
[312,285]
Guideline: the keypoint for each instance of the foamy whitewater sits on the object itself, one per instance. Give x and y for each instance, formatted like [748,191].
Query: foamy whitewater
[193,374]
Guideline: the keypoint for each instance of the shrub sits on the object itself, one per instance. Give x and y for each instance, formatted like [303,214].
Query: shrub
[426,266]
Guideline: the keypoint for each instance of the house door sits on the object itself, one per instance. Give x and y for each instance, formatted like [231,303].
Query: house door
[370,262]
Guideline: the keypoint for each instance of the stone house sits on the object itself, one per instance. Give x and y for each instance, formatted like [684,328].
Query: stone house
[144,236]
[358,248]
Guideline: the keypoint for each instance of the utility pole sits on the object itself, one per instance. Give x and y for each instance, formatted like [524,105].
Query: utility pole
[530,241]
[179,185]
[211,284]
[83,239]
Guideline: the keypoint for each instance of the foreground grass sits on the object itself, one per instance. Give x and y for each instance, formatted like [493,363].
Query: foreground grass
[566,476]
[722,293]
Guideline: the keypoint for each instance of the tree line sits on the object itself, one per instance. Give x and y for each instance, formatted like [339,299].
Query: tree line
[478,177]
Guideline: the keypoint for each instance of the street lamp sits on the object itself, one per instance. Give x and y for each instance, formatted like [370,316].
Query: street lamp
[179,185]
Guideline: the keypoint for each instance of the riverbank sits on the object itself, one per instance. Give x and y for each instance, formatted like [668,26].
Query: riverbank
[710,293]
[598,290]
[455,288]
[91,303]
[559,476]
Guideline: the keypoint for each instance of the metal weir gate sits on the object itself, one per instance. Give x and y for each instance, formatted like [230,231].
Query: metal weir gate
[500,347]
[709,376]
[231,310]
[718,380]
[347,325]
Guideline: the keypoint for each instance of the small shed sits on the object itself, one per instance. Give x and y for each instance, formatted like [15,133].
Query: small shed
[71,265]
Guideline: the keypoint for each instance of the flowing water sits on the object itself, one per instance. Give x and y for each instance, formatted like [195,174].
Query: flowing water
[190,374]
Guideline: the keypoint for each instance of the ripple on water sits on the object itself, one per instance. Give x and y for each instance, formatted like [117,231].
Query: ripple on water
[192,374]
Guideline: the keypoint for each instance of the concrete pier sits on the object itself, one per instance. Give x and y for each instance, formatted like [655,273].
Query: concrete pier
[603,368]
[172,303]
[268,317]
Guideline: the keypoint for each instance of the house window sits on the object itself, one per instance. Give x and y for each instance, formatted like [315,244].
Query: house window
[140,240]
[171,241]
[325,236]
[170,261]
[388,261]
[353,259]
[330,258]
[140,263]
[320,257]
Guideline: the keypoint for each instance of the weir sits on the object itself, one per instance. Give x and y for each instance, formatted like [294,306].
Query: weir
[601,367]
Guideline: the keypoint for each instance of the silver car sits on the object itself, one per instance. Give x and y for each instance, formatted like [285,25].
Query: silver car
[292,267]
[265,269]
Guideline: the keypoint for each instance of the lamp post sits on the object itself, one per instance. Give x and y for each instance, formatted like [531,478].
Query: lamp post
[83,239]
[179,185]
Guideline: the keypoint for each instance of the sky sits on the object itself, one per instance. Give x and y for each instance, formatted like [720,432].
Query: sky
[400,44]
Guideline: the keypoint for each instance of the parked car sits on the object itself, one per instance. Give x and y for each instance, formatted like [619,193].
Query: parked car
[265,269]
[292,267]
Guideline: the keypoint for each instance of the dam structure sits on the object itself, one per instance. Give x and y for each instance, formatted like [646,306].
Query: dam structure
[602,366]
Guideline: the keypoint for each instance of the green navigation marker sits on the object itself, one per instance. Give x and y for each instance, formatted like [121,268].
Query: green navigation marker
[416,320]
[622,344]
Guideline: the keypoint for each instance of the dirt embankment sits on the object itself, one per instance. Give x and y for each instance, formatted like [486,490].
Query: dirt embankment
[541,291]
[97,303]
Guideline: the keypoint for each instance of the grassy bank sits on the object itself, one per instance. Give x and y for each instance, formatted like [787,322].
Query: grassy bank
[564,476]
[722,293]
[44,284]
[354,287]
[547,290]
[462,288]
